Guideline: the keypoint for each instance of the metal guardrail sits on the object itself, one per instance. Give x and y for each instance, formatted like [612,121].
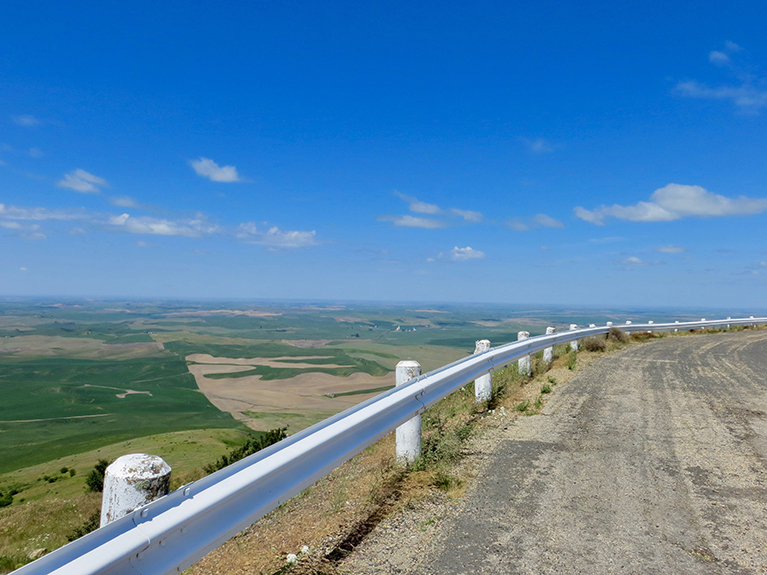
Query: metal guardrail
[172,533]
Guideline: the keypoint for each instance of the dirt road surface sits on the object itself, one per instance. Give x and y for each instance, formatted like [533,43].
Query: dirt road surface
[652,460]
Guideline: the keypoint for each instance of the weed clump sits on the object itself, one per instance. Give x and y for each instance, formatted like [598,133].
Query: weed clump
[617,335]
[594,343]
[572,359]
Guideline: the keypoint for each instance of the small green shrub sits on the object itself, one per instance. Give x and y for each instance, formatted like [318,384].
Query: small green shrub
[572,358]
[552,380]
[251,446]
[95,480]
[522,406]
[64,470]
[546,388]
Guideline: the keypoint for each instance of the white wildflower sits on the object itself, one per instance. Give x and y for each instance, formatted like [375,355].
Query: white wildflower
[291,559]
[304,549]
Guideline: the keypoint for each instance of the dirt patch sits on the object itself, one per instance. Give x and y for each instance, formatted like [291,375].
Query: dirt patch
[306,393]
[292,362]
[307,343]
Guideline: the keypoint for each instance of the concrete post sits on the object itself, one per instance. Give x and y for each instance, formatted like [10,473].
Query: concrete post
[676,328]
[574,343]
[650,322]
[409,433]
[483,385]
[628,322]
[592,325]
[548,353]
[753,324]
[524,362]
[728,325]
[131,482]
[609,324]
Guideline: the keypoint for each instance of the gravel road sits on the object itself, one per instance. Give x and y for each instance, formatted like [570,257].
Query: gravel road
[652,460]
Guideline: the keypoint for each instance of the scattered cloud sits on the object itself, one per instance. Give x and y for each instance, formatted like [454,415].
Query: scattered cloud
[635,261]
[609,240]
[23,269]
[39,214]
[468,215]
[27,120]
[275,237]
[749,95]
[460,254]
[539,220]
[414,222]
[670,249]
[83,182]
[674,202]
[538,145]
[191,228]
[145,245]
[207,168]
[418,207]
[123,202]
[35,153]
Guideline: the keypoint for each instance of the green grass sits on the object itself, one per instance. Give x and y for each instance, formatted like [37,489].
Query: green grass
[59,391]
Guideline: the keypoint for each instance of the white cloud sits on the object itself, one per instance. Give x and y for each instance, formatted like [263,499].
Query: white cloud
[83,182]
[676,201]
[414,222]
[525,224]
[718,58]
[468,215]
[538,145]
[463,254]
[633,260]
[35,153]
[27,120]
[146,245]
[23,269]
[191,228]
[40,214]
[207,168]
[749,96]
[275,237]
[17,226]
[418,207]
[670,249]
[547,221]
[746,97]
[123,202]
[517,224]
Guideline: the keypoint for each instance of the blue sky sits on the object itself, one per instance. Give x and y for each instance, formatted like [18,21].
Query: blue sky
[515,152]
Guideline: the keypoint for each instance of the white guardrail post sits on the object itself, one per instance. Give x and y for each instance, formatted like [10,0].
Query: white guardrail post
[170,534]
[409,433]
[574,343]
[483,385]
[131,482]
[548,353]
[523,365]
